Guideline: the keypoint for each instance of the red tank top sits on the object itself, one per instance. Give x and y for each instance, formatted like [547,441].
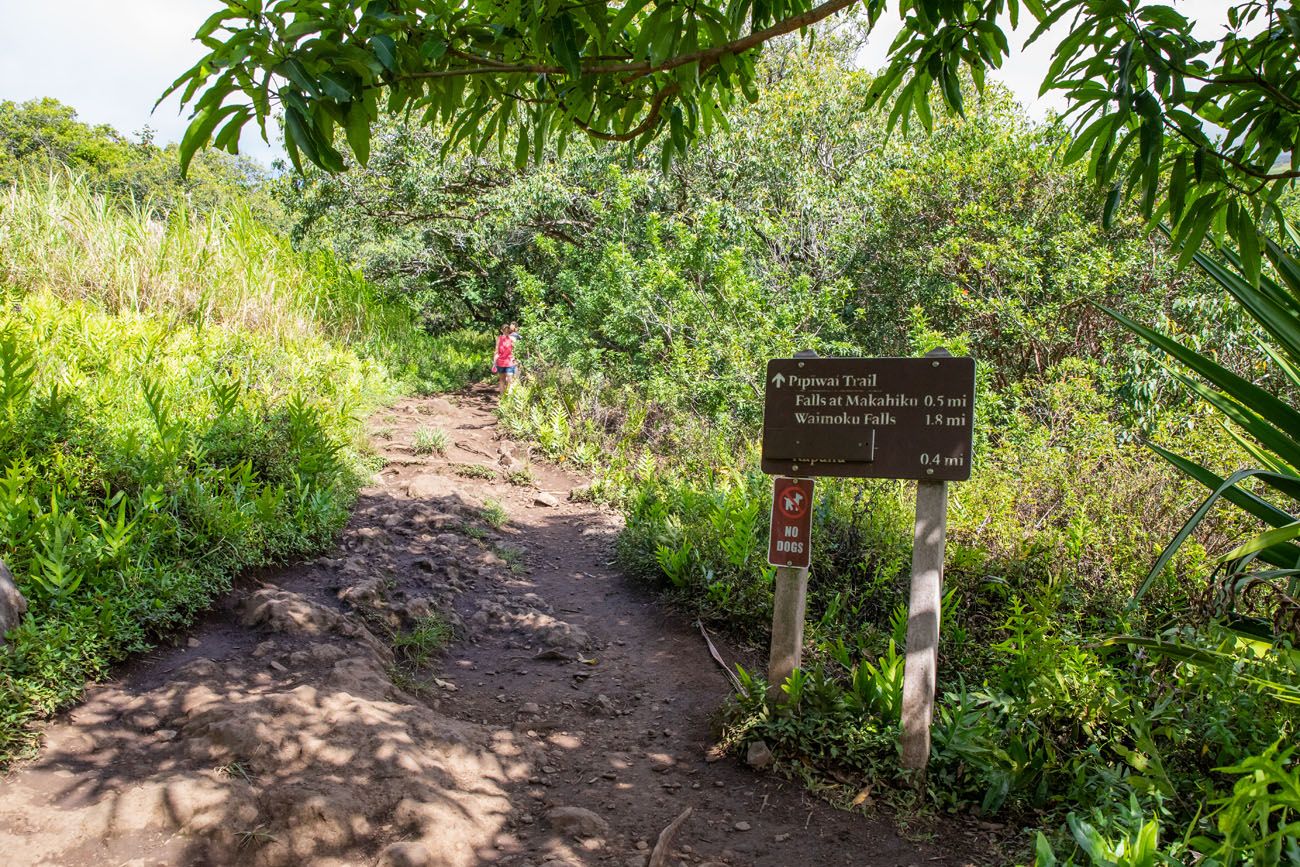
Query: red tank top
[505,350]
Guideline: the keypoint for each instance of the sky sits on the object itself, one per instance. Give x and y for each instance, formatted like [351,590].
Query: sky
[1024,70]
[108,59]
[111,59]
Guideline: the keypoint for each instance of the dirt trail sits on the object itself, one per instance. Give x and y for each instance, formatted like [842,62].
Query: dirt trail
[568,724]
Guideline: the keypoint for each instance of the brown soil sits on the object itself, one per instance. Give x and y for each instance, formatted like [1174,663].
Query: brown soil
[567,724]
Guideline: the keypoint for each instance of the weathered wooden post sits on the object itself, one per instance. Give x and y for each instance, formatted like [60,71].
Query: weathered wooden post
[788,605]
[788,549]
[922,662]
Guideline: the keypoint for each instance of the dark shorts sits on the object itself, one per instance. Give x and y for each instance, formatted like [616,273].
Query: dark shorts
[508,371]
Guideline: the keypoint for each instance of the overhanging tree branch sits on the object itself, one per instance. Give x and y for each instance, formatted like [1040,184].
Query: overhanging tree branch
[635,69]
[652,116]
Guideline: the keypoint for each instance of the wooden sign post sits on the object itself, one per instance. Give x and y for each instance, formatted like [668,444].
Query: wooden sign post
[891,418]
[921,664]
[789,549]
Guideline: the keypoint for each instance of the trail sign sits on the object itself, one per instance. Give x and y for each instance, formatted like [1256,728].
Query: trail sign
[891,418]
[791,538]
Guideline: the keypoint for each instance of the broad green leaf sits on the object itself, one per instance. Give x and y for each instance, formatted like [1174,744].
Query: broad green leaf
[625,14]
[1226,489]
[208,27]
[200,130]
[1266,405]
[1113,199]
[385,50]
[357,131]
[1267,539]
[565,46]
[1279,321]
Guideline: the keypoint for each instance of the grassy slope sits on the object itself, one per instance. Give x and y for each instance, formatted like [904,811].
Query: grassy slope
[178,401]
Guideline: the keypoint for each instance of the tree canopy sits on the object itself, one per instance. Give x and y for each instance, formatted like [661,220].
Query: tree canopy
[44,136]
[1202,132]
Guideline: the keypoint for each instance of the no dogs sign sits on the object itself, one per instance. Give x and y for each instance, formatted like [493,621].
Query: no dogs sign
[790,543]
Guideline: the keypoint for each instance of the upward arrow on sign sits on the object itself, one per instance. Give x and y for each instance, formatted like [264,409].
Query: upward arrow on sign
[778,380]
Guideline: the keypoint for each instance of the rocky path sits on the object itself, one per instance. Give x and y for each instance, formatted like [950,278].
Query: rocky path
[566,724]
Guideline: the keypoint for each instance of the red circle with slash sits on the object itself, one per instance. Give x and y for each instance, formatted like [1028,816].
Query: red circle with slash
[793,507]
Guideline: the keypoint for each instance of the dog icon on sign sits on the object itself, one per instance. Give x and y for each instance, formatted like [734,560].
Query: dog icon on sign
[793,503]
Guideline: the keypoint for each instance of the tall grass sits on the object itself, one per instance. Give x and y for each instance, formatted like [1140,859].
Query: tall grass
[179,400]
[223,268]
[220,268]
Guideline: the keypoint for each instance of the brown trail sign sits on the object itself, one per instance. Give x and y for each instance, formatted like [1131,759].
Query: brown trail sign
[881,418]
[885,418]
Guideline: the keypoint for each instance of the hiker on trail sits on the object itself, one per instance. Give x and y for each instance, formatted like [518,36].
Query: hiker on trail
[504,363]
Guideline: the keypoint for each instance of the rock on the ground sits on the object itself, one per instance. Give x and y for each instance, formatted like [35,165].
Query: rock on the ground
[507,459]
[12,604]
[545,499]
[758,754]
[430,486]
[449,494]
[405,854]
[205,803]
[366,593]
[440,404]
[577,822]
[284,611]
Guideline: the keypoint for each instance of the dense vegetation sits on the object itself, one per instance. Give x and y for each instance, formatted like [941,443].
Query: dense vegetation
[1116,716]
[650,301]
[180,397]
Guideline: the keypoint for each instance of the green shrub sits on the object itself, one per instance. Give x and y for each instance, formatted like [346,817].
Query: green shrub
[430,441]
[178,402]
[428,635]
[474,471]
[494,514]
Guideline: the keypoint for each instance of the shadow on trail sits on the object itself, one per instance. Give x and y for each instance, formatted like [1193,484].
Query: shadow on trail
[282,738]
[569,722]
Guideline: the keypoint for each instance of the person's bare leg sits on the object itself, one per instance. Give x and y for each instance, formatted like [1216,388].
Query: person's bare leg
[503,382]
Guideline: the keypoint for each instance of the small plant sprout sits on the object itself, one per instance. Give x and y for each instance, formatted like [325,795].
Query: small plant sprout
[235,769]
[475,471]
[427,636]
[495,514]
[522,477]
[430,441]
[513,556]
